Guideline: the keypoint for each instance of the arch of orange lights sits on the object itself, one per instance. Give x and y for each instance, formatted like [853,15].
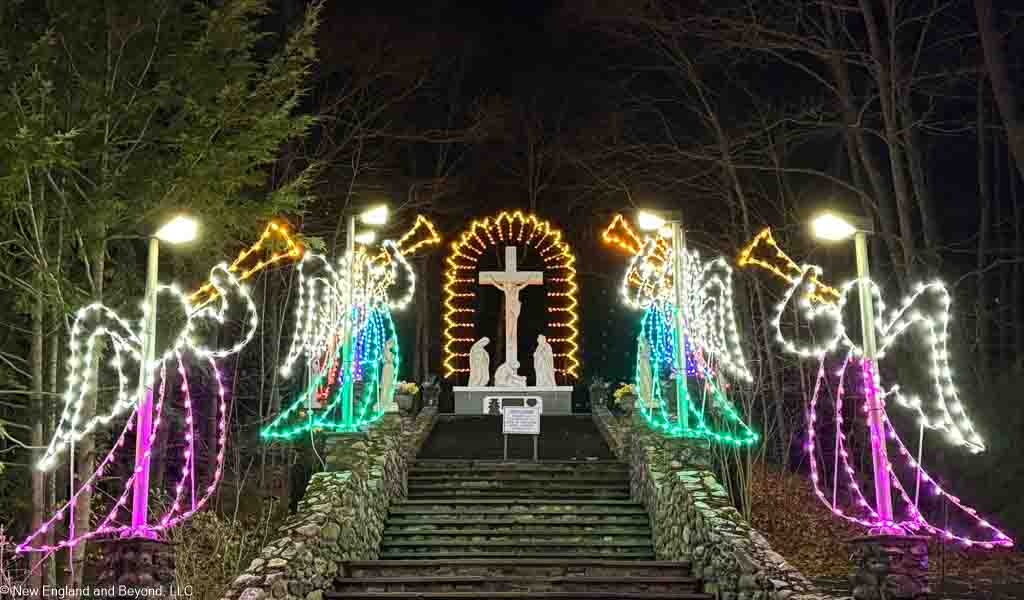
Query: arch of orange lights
[460,287]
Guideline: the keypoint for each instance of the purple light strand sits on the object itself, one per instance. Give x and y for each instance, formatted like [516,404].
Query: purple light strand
[917,520]
[169,520]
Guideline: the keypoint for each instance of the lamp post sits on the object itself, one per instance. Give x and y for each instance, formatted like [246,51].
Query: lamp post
[377,215]
[831,226]
[179,230]
[671,225]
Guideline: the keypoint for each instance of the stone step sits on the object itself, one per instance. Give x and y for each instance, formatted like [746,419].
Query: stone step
[462,583]
[538,541]
[422,467]
[584,478]
[536,493]
[515,485]
[498,529]
[578,541]
[435,507]
[516,519]
[547,553]
[516,567]
[545,501]
[523,595]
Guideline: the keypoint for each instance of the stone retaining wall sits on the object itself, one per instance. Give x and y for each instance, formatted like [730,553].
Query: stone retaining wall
[341,516]
[693,519]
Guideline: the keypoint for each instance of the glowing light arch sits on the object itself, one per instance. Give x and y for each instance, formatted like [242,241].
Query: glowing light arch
[460,285]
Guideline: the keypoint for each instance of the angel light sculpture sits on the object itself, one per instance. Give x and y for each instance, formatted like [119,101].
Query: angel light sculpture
[206,309]
[710,337]
[353,298]
[920,325]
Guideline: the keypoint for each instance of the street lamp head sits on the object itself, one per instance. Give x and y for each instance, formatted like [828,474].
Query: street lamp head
[831,227]
[366,237]
[179,230]
[650,221]
[377,215]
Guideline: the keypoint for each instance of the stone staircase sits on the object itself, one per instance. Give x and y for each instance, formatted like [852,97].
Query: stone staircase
[491,529]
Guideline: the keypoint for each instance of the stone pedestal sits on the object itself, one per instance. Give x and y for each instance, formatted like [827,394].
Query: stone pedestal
[480,400]
[890,567]
[137,566]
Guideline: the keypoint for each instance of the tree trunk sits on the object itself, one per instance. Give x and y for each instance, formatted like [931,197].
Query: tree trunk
[38,417]
[85,450]
[884,68]
[1018,269]
[53,370]
[984,225]
[999,75]
[860,152]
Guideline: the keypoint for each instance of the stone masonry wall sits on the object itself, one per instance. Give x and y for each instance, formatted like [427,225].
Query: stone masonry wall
[341,516]
[693,519]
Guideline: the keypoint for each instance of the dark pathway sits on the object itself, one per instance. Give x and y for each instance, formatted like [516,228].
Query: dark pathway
[561,438]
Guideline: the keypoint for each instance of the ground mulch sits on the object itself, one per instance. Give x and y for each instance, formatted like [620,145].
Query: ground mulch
[785,509]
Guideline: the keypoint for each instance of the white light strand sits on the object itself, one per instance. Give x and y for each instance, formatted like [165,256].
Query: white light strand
[707,300]
[926,310]
[96,321]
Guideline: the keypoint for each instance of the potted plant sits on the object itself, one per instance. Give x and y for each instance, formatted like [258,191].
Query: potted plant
[625,398]
[405,396]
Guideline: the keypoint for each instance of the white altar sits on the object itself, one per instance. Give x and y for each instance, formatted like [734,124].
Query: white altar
[510,388]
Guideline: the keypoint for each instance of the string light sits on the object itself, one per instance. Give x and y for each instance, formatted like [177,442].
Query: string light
[107,526]
[96,320]
[324,317]
[710,334]
[658,333]
[460,289]
[292,251]
[763,250]
[927,312]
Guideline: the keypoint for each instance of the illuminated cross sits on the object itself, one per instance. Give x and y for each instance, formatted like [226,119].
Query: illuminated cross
[511,281]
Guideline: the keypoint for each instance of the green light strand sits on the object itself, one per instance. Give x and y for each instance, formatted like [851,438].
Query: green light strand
[659,334]
[373,336]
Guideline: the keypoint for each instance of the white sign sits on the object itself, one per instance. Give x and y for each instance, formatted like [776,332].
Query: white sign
[520,419]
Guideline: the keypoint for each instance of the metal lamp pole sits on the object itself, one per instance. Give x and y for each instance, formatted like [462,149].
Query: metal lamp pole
[682,397]
[875,402]
[347,403]
[144,418]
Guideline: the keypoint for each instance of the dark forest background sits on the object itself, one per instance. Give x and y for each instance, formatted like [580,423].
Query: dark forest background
[741,114]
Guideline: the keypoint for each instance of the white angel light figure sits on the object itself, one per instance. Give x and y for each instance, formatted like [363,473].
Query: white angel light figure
[920,324]
[208,306]
[709,335]
[349,301]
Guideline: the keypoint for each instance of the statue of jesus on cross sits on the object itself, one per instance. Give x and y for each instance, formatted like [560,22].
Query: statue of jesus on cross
[510,281]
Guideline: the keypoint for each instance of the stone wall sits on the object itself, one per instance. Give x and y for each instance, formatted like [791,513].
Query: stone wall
[693,519]
[341,516]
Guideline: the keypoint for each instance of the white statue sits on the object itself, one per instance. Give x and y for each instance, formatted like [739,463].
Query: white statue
[479,364]
[387,378]
[507,375]
[511,281]
[645,378]
[544,363]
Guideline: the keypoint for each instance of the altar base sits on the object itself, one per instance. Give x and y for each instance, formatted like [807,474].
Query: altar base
[489,400]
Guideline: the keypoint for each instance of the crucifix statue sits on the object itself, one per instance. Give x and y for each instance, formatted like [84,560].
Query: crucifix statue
[510,281]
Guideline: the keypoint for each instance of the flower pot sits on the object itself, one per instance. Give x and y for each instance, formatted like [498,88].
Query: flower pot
[406,403]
